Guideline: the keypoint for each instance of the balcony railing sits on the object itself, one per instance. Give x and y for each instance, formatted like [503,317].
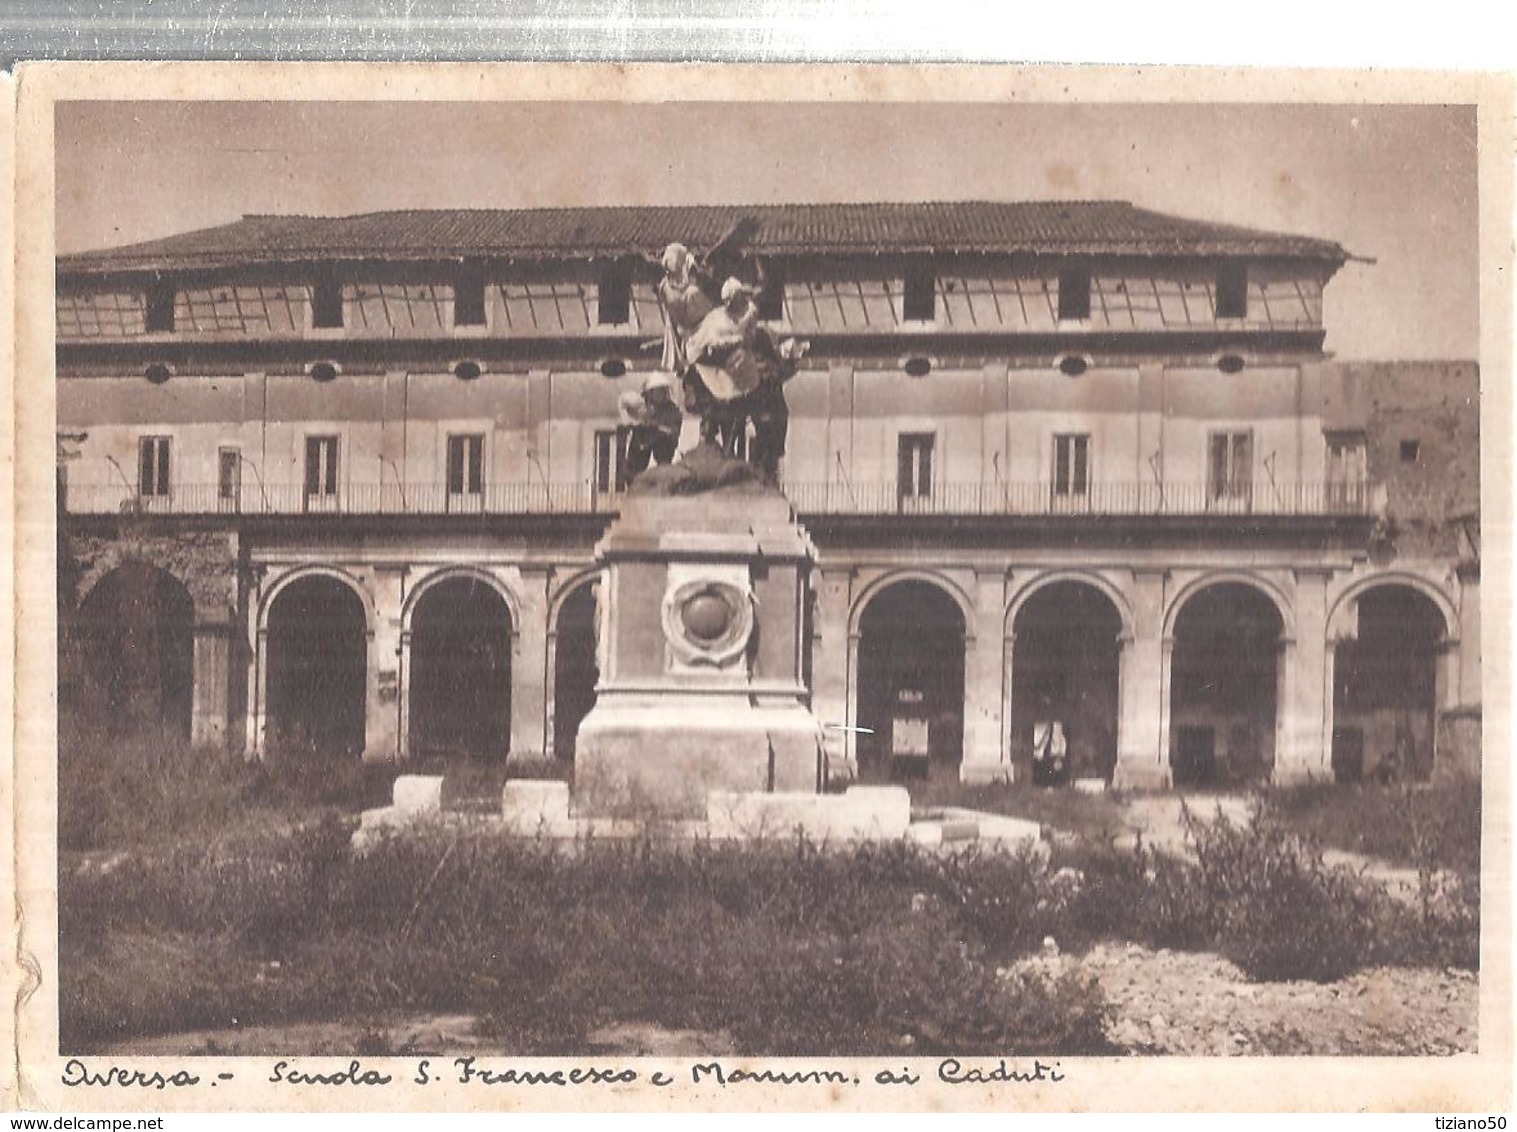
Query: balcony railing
[1034,500]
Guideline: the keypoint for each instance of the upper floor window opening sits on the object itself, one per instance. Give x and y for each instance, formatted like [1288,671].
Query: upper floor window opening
[326,304]
[228,476]
[611,459]
[1230,467]
[153,474]
[321,468]
[466,464]
[159,316]
[1347,466]
[919,297]
[1411,451]
[1232,290]
[469,298]
[1071,464]
[614,295]
[1074,294]
[914,464]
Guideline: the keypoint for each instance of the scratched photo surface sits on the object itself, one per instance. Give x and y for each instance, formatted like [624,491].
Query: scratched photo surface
[599,597]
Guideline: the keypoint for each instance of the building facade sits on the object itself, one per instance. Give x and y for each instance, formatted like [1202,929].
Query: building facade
[1081,477]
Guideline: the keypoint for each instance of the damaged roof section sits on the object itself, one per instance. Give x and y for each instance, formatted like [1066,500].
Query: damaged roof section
[1115,228]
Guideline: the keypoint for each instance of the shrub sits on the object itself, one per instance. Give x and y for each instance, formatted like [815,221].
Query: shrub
[1278,910]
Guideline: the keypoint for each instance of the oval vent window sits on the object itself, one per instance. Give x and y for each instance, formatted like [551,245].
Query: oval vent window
[1072,365]
[1230,363]
[467,371]
[613,367]
[917,366]
[323,371]
[157,373]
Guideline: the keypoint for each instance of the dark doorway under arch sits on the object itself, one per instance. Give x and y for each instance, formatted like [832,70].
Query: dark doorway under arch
[575,670]
[1064,683]
[1385,687]
[135,640]
[318,669]
[460,683]
[1224,686]
[910,684]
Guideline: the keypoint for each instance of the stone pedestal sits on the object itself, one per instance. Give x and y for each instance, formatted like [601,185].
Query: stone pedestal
[701,637]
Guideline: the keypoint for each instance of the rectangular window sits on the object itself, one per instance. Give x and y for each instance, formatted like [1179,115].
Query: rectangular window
[153,467]
[321,469]
[614,296]
[919,297]
[466,464]
[611,459]
[326,304]
[1231,465]
[1071,464]
[1074,293]
[1232,290]
[160,308]
[914,465]
[771,300]
[1347,468]
[228,477]
[469,298]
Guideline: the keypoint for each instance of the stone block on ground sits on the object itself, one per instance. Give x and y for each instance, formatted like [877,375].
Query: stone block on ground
[418,794]
[536,808]
[860,813]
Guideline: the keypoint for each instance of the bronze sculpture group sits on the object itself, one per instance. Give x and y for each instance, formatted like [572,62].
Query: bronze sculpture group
[729,370]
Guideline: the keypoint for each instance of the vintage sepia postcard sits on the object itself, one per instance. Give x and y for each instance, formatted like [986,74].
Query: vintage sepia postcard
[814,587]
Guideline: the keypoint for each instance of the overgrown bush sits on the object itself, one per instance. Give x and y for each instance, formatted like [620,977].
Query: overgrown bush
[786,947]
[128,791]
[1280,912]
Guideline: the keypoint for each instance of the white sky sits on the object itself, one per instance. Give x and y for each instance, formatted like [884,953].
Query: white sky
[1394,183]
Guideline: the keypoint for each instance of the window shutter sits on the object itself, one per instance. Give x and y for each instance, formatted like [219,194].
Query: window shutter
[476,463]
[313,465]
[455,465]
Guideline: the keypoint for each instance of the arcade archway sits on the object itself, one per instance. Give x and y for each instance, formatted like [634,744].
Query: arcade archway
[460,679]
[910,684]
[1385,687]
[134,636]
[1224,686]
[317,656]
[574,667]
[1065,680]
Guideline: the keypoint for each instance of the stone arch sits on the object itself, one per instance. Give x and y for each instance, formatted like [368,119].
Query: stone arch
[1226,669]
[1277,596]
[930,577]
[314,664]
[126,657]
[1065,632]
[1029,590]
[289,578]
[452,573]
[573,660]
[1360,586]
[1387,680]
[908,662]
[459,632]
[566,590]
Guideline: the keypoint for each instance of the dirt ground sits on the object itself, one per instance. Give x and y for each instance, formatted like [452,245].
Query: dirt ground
[1199,1005]
[1163,1002]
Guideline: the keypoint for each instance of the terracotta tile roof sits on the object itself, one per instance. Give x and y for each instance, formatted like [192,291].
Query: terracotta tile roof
[1031,227]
